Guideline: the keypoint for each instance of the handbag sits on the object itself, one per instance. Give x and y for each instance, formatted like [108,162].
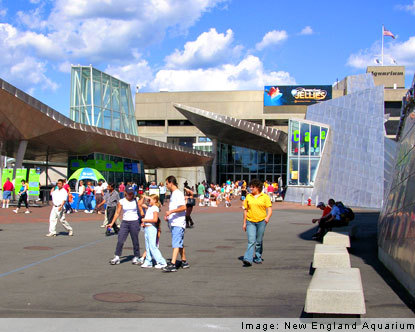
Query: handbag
[191,201]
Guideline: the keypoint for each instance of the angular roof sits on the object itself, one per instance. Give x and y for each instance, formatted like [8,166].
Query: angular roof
[47,131]
[235,131]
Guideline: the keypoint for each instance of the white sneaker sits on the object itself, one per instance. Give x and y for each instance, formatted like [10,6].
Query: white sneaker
[141,260]
[75,210]
[136,261]
[15,211]
[70,233]
[7,206]
[51,234]
[27,212]
[148,266]
[69,212]
[86,211]
[115,260]
[103,226]
[160,266]
[4,206]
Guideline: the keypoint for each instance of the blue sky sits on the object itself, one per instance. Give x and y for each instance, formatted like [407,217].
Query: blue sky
[198,44]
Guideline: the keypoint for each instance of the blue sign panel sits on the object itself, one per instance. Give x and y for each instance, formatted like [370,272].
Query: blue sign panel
[278,95]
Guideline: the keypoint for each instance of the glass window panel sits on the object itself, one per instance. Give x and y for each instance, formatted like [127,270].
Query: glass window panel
[313,169]
[277,159]
[124,100]
[97,116]
[304,175]
[315,141]
[293,171]
[323,136]
[261,157]
[106,91]
[107,119]
[305,139]
[295,138]
[116,121]
[261,168]
[86,87]
[115,96]
[230,168]
[97,93]
[238,169]
[270,168]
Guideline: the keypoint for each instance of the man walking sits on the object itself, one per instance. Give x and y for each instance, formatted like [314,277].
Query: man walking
[201,193]
[176,216]
[59,197]
[7,193]
[111,198]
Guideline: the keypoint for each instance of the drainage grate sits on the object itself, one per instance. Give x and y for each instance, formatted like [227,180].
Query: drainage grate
[115,297]
[37,248]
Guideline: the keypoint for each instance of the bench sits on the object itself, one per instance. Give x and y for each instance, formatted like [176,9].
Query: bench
[350,229]
[337,238]
[330,256]
[336,291]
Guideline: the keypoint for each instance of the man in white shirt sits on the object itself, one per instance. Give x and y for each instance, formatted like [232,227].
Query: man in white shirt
[176,217]
[59,197]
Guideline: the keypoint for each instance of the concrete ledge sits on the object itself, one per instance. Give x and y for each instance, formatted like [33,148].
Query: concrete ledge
[351,230]
[335,291]
[330,256]
[337,239]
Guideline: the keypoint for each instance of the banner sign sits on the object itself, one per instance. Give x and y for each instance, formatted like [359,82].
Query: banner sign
[100,165]
[279,95]
[21,174]
[34,179]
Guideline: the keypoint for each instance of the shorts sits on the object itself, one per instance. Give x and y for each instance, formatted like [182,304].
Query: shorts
[177,236]
[7,194]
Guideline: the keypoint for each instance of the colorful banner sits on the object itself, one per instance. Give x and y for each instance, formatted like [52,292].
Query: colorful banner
[279,95]
[21,174]
[34,180]
[100,165]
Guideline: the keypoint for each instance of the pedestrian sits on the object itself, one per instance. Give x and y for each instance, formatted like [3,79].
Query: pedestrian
[162,190]
[190,203]
[68,207]
[176,216]
[121,190]
[59,197]
[111,199]
[7,193]
[23,197]
[99,208]
[89,192]
[151,224]
[81,195]
[257,212]
[130,206]
[201,193]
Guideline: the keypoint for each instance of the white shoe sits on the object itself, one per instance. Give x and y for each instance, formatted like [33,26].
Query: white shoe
[135,261]
[4,206]
[15,211]
[27,212]
[141,260]
[51,234]
[69,212]
[160,266]
[103,226]
[70,233]
[75,210]
[148,266]
[115,260]
[86,211]
[7,206]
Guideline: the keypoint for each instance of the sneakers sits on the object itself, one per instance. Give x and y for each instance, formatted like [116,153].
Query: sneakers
[103,225]
[160,266]
[146,265]
[51,234]
[115,260]
[15,211]
[170,268]
[70,233]
[246,262]
[258,261]
[141,260]
[135,261]
[185,265]
[27,212]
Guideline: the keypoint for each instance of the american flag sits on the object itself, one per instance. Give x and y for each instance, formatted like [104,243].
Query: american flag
[388,33]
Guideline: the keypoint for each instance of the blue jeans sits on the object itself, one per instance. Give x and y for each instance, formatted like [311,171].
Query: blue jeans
[88,200]
[152,252]
[255,232]
[83,199]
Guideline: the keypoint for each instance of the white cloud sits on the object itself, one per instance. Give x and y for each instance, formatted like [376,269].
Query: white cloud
[247,74]
[272,38]
[65,67]
[409,8]
[307,31]
[402,52]
[18,66]
[33,18]
[209,49]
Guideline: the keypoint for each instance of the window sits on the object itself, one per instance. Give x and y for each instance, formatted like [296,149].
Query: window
[276,122]
[179,123]
[151,123]
[182,141]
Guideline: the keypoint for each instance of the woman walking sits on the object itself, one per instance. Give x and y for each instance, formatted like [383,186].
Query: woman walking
[81,197]
[190,203]
[89,196]
[151,224]
[131,221]
[257,212]
[23,198]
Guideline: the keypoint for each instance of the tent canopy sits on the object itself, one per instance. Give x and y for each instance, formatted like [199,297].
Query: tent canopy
[86,173]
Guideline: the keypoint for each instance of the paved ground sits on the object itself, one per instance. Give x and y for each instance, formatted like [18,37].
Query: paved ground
[62,281]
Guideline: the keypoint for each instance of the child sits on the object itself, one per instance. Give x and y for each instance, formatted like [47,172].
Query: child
[150,222]
[228,200]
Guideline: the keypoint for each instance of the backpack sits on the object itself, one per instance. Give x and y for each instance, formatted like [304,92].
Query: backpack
[346,213]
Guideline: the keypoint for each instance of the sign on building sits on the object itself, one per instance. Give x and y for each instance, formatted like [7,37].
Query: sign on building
[279,95]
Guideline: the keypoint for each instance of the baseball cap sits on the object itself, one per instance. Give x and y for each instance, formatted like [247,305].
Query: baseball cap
[129,190]
[320,204]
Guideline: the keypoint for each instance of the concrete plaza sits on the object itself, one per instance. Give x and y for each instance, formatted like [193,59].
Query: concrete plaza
[62,279]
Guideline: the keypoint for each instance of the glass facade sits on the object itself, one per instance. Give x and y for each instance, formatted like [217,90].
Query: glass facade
[235,163]
[114,169]
[305,146]
[100,100]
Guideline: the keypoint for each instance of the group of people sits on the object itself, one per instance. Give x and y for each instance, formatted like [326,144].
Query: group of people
[8,188]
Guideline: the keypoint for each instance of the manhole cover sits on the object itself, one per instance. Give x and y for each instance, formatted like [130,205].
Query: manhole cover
[118,297]
[224,247]
[37,248]
[205,250]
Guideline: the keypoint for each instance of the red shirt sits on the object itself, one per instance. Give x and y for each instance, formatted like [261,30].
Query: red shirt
[67,187]
[8,186]
[121,188]
[326,211]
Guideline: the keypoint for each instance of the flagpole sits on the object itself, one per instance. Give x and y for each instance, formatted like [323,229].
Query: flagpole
[383,31]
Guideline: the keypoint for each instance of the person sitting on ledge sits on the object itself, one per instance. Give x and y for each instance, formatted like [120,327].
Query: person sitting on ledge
[333,219]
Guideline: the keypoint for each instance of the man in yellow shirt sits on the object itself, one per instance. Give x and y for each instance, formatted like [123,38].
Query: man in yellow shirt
[257,212]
